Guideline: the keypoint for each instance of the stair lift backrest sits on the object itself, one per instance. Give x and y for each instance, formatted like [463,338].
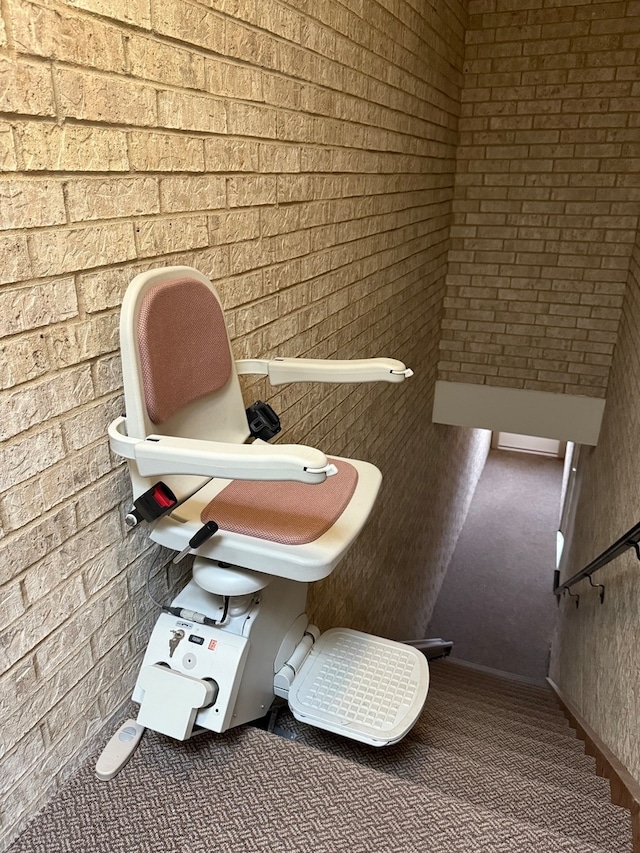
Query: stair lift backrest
[178,370]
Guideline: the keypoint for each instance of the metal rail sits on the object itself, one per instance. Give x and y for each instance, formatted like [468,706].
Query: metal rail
[630,539]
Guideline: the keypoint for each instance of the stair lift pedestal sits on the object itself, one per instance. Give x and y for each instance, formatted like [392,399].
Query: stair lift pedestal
[197,676]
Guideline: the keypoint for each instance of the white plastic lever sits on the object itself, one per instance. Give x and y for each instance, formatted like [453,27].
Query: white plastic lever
[329,470]
[119,750]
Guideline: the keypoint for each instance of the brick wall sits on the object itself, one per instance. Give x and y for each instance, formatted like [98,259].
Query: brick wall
[302,159]
[546,200]
[596,652]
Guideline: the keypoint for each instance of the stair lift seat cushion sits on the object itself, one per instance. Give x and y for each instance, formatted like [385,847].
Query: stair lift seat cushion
[285,512]
[171,342]
[306,562]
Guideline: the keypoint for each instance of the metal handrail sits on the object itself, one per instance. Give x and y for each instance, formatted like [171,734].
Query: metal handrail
[630,539]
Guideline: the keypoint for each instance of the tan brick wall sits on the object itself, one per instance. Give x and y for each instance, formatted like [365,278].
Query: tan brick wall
[596,653]
[302,159]
[547,191]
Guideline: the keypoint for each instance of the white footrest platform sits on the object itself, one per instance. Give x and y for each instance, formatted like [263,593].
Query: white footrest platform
[360,686]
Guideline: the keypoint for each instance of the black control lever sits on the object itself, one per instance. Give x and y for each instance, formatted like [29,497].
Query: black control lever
[198,538]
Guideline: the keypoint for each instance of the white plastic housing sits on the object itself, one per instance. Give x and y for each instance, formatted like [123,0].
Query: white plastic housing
[177,716]
[169,704]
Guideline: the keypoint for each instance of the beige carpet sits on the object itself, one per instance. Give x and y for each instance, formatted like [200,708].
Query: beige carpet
[491,766]
[496,602]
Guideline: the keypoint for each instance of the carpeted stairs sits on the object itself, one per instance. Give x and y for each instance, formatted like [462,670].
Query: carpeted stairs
[490,766]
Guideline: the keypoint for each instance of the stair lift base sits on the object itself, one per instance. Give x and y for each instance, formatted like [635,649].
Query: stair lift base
[196,677]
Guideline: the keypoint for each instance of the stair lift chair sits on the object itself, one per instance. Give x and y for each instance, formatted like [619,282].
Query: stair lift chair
[262,520]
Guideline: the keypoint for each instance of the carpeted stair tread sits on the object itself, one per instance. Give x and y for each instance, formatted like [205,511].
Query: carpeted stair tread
[492,678]
[536,767]
[520,738]
[547,798]
[485,768]
[491,682]
[470,714]
[503,716]
[250,791]
[494,707]
[511,792]
[461,714]
[553,719]
[461,748]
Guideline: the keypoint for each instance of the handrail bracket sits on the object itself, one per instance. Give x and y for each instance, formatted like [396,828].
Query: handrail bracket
[573,595]
[597,586]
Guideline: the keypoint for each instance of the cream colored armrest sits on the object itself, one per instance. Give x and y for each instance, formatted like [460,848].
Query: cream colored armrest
[159,455]
[283,370]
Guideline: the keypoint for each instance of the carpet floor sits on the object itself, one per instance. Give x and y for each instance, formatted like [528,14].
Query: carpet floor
[491,766]
[496,602]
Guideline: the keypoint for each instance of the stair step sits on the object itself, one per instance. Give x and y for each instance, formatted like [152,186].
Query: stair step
[542,768]
[454,668]
[458,699]
[511,792]
[493,683]
[557,798]
[608,833]
[518,737]
[548,766]
[248,790]
[477,773]
[546,716]
[462,704]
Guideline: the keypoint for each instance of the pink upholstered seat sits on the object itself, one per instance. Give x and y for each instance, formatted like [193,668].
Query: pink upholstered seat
[285,512]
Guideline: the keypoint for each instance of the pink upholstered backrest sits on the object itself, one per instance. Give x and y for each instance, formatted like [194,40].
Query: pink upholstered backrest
[183,346]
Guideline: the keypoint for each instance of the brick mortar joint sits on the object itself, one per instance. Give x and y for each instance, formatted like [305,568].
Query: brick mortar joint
[197,49]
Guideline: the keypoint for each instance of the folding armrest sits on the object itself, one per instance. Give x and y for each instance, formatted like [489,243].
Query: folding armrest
[283,370]
[158,455]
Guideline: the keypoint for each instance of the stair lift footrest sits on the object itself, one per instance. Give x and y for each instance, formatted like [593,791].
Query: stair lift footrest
[363,687]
